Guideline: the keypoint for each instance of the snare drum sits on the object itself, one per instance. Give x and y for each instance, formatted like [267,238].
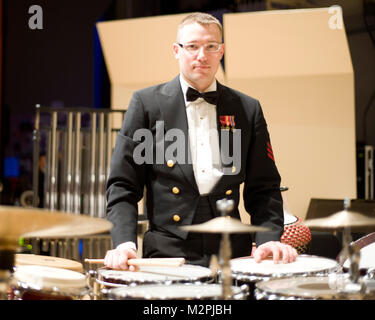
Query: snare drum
[48,283]
[109,279]
[187,291]
[304,288]
[246,270]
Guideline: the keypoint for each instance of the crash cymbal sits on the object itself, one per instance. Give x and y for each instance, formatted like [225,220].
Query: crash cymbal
[16,222]
[342,219]
[225,224]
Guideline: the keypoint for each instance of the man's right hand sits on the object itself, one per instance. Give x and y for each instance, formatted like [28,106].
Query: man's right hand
[118,257]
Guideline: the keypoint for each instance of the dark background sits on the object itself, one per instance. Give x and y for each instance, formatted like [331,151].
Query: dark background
[62,64]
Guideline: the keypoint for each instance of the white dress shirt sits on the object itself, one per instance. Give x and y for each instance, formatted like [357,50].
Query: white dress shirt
[203,139]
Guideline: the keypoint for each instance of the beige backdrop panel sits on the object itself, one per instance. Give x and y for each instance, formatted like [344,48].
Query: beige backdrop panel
[284,43]
[301,72]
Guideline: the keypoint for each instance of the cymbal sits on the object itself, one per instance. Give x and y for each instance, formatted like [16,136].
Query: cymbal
[342,219]
[225,224]
[16,222]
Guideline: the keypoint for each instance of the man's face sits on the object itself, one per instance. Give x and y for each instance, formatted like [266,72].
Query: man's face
[199,68]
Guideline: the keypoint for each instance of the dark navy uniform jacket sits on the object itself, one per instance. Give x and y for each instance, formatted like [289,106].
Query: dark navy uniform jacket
[167,209]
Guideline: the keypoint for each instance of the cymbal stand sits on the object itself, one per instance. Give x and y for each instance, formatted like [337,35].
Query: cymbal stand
[225,206]
[355,286]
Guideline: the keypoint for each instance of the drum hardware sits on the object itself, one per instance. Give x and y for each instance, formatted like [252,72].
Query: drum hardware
[5,279]
[93,284]
[366,245]
[369,279]
[224,225]
[214,265]
[153,274]
[188,291]
[371,273]
[6,269]
[346,220]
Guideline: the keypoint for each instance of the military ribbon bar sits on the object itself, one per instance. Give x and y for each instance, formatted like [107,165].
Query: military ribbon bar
[227,122]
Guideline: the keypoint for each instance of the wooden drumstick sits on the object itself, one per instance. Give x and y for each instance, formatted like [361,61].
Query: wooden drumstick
[165,262]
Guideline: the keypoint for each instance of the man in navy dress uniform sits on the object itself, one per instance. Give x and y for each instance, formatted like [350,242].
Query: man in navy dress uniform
[190,142]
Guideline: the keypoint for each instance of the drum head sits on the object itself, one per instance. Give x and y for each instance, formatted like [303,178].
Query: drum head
[304,265]
[173,292]
[153,275]
[47,261]
[42,277]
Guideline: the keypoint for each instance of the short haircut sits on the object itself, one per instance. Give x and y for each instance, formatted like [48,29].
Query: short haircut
[201,18]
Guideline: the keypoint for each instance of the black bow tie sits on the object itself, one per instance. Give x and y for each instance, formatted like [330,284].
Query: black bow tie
[192,95]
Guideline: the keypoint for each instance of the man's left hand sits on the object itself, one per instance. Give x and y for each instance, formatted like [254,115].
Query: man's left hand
[280,252]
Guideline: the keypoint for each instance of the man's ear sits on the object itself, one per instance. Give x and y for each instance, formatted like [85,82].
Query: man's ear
[176,50]
[222,51]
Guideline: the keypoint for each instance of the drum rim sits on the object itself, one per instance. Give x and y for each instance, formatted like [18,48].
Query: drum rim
[242,293]
[128,282]
[151,282]
[64,292]
[261,292]
[295,221]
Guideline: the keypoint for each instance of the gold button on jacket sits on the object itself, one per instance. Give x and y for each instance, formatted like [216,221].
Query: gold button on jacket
[176,217]
[170,163]
[175,190]
[228,192]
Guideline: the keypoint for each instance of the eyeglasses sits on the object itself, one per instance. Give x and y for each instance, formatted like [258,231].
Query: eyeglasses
[210,47]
